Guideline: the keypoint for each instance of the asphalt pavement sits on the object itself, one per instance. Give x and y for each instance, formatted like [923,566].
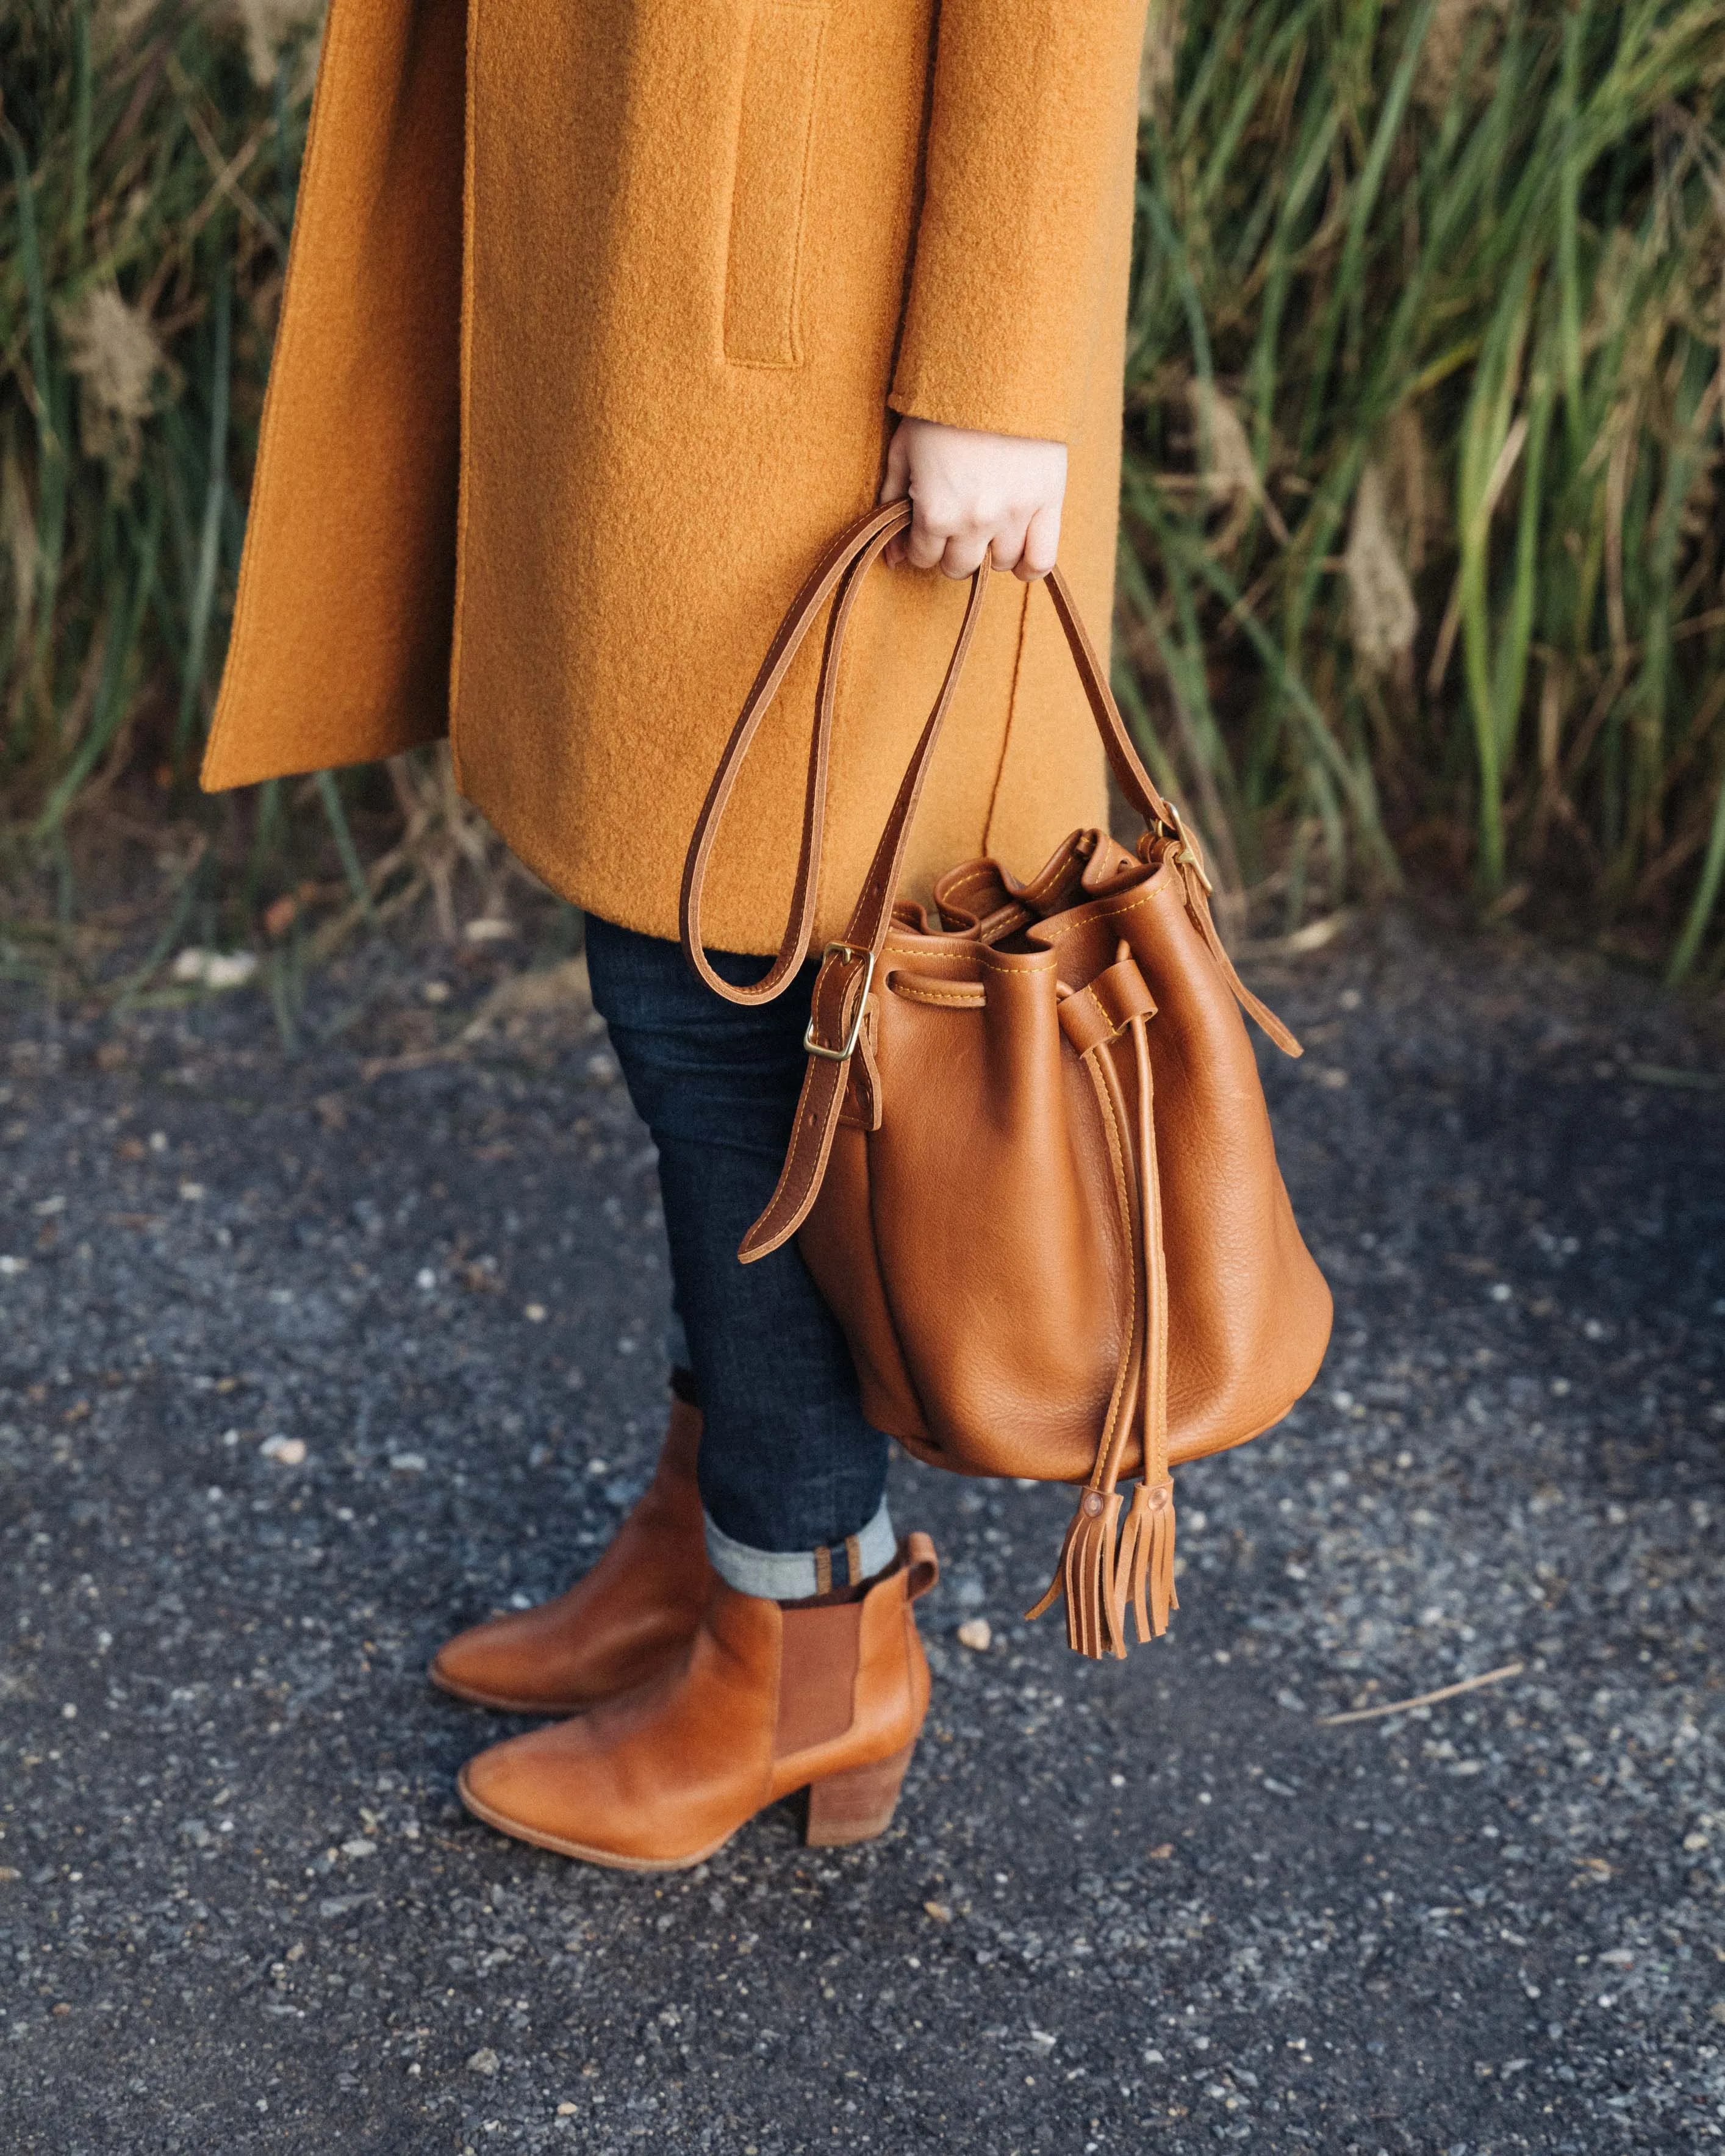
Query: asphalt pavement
[306,1360]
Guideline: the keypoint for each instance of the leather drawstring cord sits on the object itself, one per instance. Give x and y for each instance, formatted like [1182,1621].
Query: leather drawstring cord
[1147,1547]
[1103,1567]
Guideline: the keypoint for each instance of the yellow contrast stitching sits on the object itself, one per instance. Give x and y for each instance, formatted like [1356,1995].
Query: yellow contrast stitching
[1150,892]
[973,999]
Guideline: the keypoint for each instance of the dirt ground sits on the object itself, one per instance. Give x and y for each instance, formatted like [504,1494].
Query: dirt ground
[305,1360]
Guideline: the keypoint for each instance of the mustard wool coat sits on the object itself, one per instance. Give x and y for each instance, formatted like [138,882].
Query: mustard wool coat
[597,313]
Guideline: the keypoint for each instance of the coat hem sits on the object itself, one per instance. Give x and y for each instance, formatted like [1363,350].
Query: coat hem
[632,909]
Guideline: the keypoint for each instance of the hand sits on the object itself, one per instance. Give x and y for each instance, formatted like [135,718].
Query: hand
[974,494]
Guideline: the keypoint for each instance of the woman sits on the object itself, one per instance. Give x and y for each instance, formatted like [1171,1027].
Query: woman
[602,317]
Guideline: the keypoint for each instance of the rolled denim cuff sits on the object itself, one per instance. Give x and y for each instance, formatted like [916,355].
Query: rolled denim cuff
[793,1575]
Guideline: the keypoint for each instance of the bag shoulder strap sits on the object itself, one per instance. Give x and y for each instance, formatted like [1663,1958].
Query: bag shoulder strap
[847,971]
[841,567]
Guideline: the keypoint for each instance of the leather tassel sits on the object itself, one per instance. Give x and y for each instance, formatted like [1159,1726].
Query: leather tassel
[1144,1575]
[1088,1576]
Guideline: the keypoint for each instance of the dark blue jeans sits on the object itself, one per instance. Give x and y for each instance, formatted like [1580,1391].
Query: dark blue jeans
[787,1461]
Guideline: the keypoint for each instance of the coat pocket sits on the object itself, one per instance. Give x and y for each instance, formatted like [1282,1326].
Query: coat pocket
[773,146]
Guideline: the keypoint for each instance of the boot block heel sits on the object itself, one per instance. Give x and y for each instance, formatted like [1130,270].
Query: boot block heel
[857,1804]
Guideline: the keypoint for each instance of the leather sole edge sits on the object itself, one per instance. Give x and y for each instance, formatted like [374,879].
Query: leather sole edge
[581,1851]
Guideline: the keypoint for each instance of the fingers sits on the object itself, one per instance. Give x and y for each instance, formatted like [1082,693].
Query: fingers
[926,541]
[1007,548]
[963,552]
[1042,539]
[975,497]
[947,536]
[956,546]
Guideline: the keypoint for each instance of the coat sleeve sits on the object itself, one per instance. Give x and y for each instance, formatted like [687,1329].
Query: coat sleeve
[1031,145]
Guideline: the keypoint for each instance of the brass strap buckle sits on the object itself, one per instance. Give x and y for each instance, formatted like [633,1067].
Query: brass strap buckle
[1188,847]
[845,1054]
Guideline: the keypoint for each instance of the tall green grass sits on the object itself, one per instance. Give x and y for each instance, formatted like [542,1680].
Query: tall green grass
[1423,548]
[1423,544]
[149,155]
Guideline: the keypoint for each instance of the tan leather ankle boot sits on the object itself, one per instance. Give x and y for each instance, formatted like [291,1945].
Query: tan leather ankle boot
[763,1701]
[620,1622]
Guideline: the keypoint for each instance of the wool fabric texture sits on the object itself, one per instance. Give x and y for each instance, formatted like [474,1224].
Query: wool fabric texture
[597,313]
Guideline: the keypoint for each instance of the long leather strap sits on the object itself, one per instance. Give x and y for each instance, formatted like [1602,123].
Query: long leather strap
[1123,759]
[845,977]
[847,969]
[853,550]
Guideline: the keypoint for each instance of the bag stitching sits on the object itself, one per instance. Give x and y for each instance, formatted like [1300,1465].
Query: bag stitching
[918,995]
[1151,891]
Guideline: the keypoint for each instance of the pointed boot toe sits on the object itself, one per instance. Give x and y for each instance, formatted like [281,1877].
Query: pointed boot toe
[588,1789]
[621,1622]
[496,1664]
[525,1784]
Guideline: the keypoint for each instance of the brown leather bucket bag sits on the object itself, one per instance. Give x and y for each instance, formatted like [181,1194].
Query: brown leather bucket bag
[1032,1167]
